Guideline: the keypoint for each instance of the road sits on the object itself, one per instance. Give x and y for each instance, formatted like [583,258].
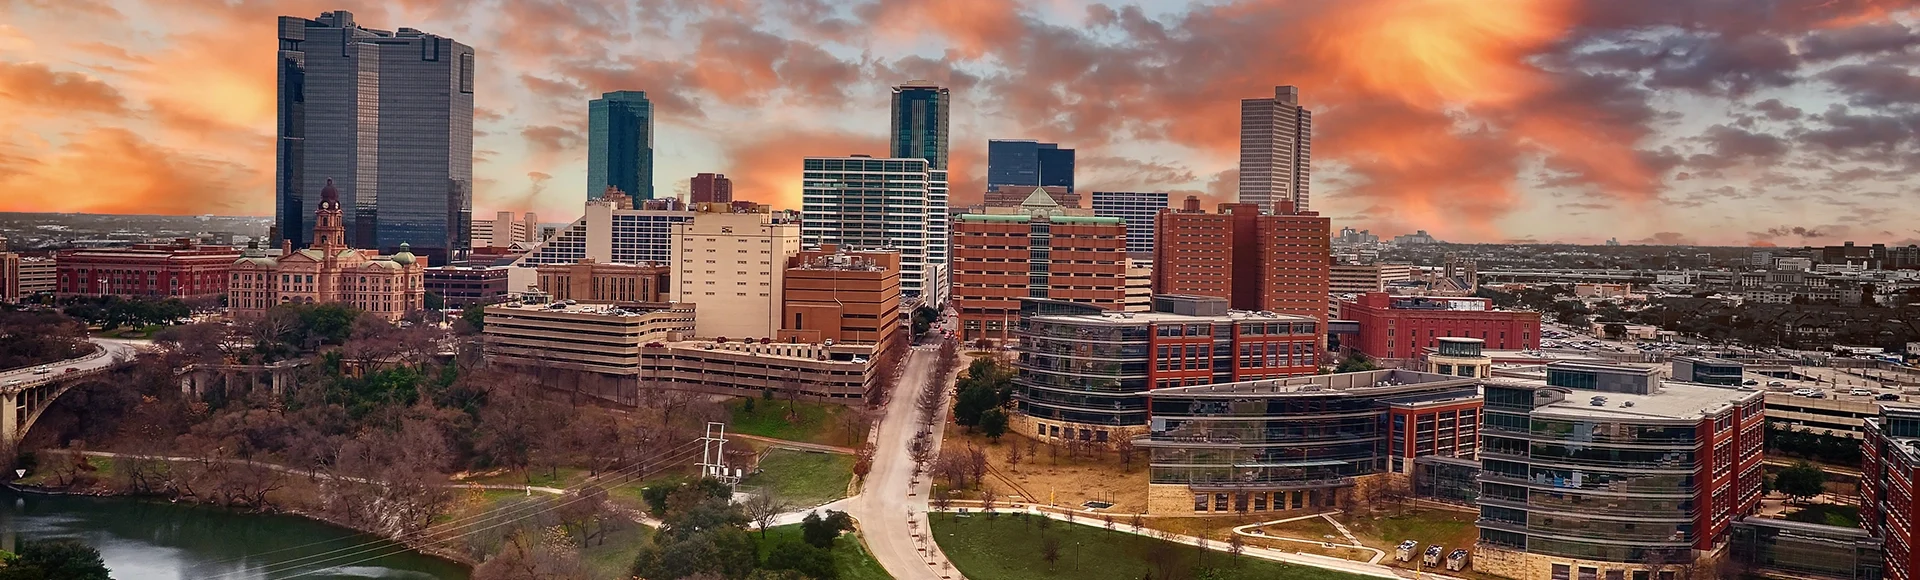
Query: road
[111,350]
[892,520]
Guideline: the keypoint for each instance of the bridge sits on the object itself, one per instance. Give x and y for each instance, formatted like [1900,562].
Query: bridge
[27,392]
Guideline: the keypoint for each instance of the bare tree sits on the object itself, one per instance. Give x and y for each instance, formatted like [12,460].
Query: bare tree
[763,508]
[1013,456]
[1108,520]
[1162,557]
[987,498]
[1050,551]
[942,501]
[1236,545]
[977,464]
[1202,544]
[1123,444]
[1138,521]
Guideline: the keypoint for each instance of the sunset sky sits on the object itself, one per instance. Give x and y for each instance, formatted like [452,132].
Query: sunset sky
[1733,122]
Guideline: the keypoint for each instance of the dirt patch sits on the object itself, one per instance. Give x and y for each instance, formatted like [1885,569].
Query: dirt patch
[1048,477]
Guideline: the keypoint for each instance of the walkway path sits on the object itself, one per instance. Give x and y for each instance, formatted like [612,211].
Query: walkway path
[1352,542]
[797,445]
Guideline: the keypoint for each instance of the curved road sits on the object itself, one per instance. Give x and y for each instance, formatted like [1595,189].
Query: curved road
[112,350]
[892,521]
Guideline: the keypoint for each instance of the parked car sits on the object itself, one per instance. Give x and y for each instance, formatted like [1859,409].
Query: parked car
[1887,397]
[41,370]
[1802,392]
[1776,383]
[1750,382]
[13,382]
[1860,392]
[1817,395]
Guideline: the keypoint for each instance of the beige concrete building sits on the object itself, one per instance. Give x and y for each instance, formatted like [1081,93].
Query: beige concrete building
[1139,297]
[838,373]
[596,338]
[37,275]
[1364,278]
[733,264]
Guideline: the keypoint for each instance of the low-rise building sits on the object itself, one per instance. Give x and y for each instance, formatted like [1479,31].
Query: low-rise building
[1139,296]
[1836,416]
[328,272]
[181,269]
[1599,471]
[1708,370]
[842,297]
[1889,474]
[460,286]
[597,338]
[1773,548]
[42,276]
[1085,376]
[1398,327]
[1364,278]
[736,263]
[1300,443]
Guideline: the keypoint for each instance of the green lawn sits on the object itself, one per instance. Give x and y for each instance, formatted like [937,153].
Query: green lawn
[1009,548]
[613,558]
[1434,526]
[803,478]
[850,556]
[1845,516]
[811,422]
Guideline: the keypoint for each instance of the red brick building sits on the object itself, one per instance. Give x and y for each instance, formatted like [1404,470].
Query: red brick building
[181,269]
[711,188]
[1395,327]
[1259,262]
[1039,250]
[1891,468]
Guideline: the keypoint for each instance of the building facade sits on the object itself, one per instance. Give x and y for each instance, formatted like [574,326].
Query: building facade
[388,117]
[1039,250]
[1777,548]
[734,263]
[328,272]
[1014,195]
[1889,471]
[863,203]
[1299,443]
[601,283]
[1592,471]
[1364,278]
[505,230]
[1276,150]
[37,276]
[181,269]
[1024,162]
[1138,209]
[1708,370]
[920,114]
[1088,376]
[595,338]
[711,188]
[609,231]
[1260,262]
[463,286]
[620,144]
[1398,327]
[842,296]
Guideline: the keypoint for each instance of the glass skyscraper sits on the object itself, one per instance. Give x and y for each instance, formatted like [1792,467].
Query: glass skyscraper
[920,111]
[389,117]
[1028,163]
[1276,150]
[862,203]
[620,144]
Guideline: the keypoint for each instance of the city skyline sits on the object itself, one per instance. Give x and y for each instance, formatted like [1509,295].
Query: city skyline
[1477,121]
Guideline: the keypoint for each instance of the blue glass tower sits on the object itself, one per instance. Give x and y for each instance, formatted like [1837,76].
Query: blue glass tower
[620,144]
[920,111]
[1028,163]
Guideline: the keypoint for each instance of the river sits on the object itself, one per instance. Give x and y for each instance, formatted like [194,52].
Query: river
[150,540]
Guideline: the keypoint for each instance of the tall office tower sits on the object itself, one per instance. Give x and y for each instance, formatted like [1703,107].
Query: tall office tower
[388,116]
[920,111]
[1257,261]
[1139,209]
[620,144]
[1028,162]
[711,188]
[862,203]
[1276,146]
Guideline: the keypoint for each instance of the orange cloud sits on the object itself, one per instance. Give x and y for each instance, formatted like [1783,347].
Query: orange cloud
[116,171]
[34,85]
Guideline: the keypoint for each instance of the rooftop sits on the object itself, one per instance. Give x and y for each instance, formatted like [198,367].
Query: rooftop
[1117,317]
[1363,383]
[1673,400]
[572,307]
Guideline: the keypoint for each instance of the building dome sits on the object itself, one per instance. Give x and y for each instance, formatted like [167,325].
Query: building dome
[405,256]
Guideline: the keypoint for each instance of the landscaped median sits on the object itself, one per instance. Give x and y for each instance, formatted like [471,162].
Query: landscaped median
[1020,543]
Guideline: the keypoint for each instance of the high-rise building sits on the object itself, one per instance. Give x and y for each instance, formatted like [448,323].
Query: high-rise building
[388,116]
[711,188]
[1138,209]
[863,203]
[467,285]
[920,111]
[620,144]
[1276,137]
[1888,506]
[1261,262]
[734,266]
[1602,471]
[1039,250]
[1030,163]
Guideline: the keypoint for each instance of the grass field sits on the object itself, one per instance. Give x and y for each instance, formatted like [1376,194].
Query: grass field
[1845,516]
[1447,528]
[811,422]
[803,479]
[850,557]
[614,557]
[1009,548]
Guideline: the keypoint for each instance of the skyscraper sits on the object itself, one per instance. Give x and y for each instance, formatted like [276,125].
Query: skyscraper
[1139,209]
[1028,162]
[920,111]
[620,144]
[1276,138]
[862,203]
[711,188]
[388,116]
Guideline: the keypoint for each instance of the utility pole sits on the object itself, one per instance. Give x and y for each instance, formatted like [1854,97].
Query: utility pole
[713,458]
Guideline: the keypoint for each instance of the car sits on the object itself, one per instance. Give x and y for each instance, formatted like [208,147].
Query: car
[1887,397]
[1861,392]
[73,369]
[13,382]
[1818,395]
[1776,383]
[1802,392]
[42,370]
[1750,382]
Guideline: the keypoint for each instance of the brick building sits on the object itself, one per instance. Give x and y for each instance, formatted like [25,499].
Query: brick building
[1399,327]
[463,286]
[181,269]
[328,272]
[842,296]
[1039,250]
[592,281]
[1888,507]
[1276,262]
[711,188]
